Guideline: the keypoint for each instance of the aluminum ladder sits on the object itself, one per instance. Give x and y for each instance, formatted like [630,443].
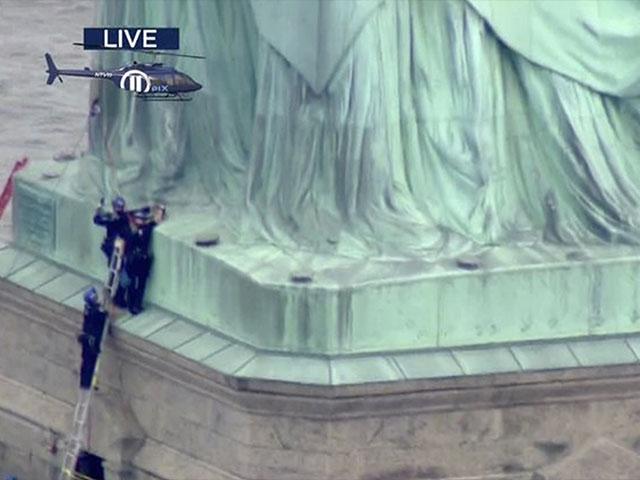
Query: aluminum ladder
[80,414]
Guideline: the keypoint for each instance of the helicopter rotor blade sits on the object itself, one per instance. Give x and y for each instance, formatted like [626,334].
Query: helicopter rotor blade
[148,52]
[156,52]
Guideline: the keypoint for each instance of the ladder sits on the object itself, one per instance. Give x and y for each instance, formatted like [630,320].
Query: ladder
[80,414]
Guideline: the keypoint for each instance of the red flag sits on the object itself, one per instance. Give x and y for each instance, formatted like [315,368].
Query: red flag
[7,191]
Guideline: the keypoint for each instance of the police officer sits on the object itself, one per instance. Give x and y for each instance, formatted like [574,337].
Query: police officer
[90,465]
[139,258]
[94,319]
[116,223]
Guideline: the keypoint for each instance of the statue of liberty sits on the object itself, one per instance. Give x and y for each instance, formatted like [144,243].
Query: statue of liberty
[387,128]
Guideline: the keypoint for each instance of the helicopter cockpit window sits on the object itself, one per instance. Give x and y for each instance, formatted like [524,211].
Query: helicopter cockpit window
[181,80]
[169,80]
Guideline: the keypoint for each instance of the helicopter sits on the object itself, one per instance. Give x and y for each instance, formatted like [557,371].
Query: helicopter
[149,81]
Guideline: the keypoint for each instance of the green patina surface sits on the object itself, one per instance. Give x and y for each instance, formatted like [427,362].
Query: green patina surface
[386,128]
[399,137]
[355,306]
[231,357]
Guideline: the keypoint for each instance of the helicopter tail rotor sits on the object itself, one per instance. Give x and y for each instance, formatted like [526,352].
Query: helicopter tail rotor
[52,70]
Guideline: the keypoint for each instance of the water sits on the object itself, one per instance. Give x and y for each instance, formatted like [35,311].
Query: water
[36,119]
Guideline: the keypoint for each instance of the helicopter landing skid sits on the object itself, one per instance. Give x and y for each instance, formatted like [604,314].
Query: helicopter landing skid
[163,98]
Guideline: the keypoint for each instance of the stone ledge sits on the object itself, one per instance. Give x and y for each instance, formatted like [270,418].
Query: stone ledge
[353,306]
[249,368]
[488,389]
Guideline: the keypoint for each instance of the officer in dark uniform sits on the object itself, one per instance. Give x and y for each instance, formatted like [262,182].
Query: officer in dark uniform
[117,225]
[90,465]
[91,336]
[139,258]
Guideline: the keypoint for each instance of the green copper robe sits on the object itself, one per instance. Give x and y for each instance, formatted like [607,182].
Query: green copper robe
[398,127]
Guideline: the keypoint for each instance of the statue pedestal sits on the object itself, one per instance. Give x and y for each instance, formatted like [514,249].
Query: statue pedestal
[367,369]
[370,307]
[158,416]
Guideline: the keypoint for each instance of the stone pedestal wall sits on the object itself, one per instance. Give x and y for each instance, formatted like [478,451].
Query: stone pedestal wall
[158,415]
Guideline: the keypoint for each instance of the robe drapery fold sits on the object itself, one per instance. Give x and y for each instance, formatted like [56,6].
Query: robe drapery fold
[423,128]
[594,42]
